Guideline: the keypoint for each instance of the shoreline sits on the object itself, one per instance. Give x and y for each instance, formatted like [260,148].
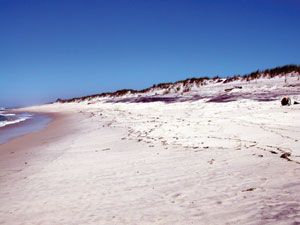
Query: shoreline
[35,138]
[38,122]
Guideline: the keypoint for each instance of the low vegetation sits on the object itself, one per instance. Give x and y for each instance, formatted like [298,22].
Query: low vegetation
[268,73]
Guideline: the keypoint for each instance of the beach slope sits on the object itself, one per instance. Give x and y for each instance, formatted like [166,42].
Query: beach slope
[155,163]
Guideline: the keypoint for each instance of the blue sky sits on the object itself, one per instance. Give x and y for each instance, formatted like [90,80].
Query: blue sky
[60,49]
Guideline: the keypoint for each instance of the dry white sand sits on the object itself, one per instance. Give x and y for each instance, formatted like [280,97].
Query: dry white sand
[155,163]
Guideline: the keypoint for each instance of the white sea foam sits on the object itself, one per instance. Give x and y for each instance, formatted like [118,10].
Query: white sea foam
[7,114]
[14,118]
[4,123]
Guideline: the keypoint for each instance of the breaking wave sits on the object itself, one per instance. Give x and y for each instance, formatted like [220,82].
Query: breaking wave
[11,118]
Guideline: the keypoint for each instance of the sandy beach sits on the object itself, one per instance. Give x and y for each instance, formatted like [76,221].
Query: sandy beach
[149,112]
[155,163]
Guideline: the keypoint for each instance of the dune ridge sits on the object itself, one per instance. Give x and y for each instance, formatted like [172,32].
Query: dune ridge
[196,88]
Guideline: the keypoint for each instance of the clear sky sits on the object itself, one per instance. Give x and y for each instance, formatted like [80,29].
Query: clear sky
[53,49]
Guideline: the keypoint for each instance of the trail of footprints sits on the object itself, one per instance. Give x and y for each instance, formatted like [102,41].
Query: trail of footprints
[188,128]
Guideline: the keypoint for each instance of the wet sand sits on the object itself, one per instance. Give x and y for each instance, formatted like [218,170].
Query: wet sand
[14,153]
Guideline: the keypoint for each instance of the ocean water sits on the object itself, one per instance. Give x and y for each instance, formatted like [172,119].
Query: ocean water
[7,118]
[13,125]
